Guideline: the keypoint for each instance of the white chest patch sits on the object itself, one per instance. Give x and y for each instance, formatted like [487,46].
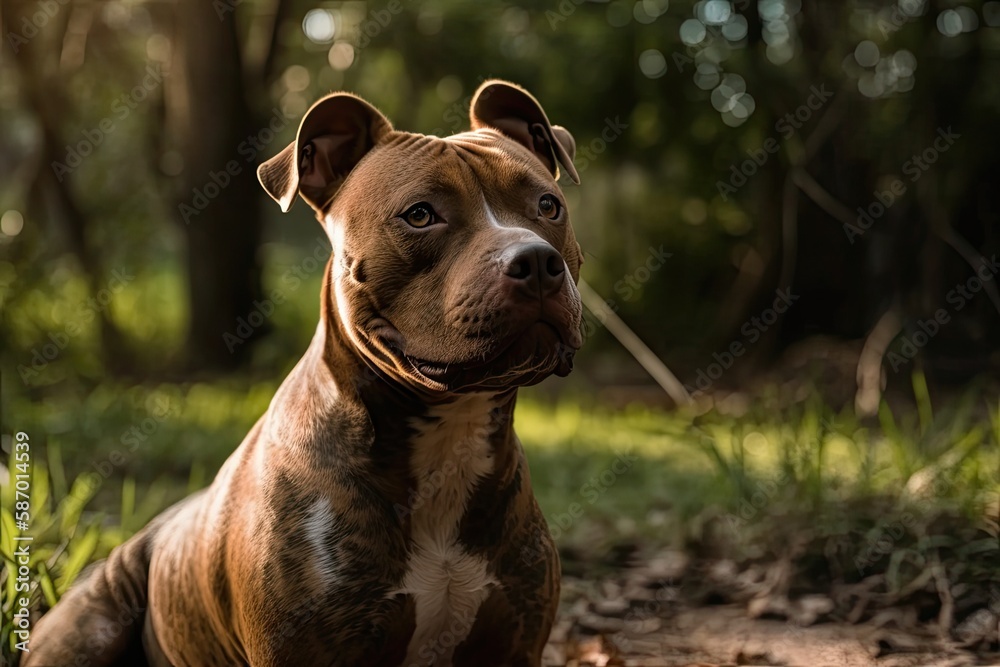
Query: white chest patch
[451,453]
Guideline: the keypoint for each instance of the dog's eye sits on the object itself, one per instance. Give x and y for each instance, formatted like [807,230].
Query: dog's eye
[420,215]
[548,207]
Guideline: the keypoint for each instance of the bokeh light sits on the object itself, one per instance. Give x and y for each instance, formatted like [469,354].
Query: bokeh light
[296,78]
[320,26]
[904,63]
[772,10]
[991,14]
[715,12]
[780,53]
[706,76]
[341,55]
[449,88]
[970,20]
[949,23]
[729,89]
[619,14]
[870,85]
[866,53]
[692,32]
[652,63]
[912,7]
[641,15]
[655,8]
[158,48]
[775,32]
[11,223]
[736,28]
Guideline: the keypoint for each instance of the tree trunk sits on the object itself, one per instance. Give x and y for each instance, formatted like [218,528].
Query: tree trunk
[211,124]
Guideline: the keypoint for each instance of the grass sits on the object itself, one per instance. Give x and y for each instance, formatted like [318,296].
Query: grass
[602,477]
[802,482]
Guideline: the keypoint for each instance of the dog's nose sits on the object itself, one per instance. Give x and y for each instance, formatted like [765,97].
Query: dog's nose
[536,268]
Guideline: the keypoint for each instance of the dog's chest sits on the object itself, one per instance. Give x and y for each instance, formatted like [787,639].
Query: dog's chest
[450,454]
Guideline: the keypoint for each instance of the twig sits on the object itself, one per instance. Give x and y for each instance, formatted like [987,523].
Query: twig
[836,208]
[789,231]
[828,122]
[941,226]
[946,615]
[74,42]
[631,342]
[869,376]
[971,256]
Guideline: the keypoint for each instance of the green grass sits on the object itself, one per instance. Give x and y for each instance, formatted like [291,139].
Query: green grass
[746,485]
[803,482]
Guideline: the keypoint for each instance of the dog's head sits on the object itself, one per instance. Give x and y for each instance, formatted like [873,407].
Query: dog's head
[454,263]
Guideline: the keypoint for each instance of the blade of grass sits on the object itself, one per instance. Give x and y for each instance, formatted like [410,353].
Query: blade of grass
[71,507]
[57,472]
[128,501]
[47,586]
[80,552]
[923,398]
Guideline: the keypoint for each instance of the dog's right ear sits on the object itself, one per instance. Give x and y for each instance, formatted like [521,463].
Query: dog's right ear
[514,112]
[334,135]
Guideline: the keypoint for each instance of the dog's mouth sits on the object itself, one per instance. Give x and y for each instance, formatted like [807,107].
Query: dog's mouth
[527,357]
[430,369]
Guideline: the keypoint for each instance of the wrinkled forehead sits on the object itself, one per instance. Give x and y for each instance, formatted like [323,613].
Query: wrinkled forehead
[506,161]
[474,164]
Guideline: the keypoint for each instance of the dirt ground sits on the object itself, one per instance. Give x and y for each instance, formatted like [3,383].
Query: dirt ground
[649,615]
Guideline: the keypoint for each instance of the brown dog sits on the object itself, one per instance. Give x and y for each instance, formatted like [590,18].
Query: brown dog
[380,512]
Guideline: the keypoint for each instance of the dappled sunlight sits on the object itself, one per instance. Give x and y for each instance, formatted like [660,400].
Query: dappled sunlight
[780,438]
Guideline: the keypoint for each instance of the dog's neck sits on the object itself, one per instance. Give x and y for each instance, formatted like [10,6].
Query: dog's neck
[375,415]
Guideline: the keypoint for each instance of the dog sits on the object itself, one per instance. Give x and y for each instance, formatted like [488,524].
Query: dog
[380,512]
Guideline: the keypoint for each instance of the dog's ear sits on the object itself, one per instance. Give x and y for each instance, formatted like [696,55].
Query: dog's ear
[516,113]
[334,135]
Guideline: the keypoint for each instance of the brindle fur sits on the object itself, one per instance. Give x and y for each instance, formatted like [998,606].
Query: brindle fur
[293,554]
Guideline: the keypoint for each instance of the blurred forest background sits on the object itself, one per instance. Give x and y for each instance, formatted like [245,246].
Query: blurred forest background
[768,148]
[794,203]
[120,119]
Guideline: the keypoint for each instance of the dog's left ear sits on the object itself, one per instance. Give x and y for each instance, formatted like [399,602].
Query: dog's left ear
[334,135]
[516,113]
